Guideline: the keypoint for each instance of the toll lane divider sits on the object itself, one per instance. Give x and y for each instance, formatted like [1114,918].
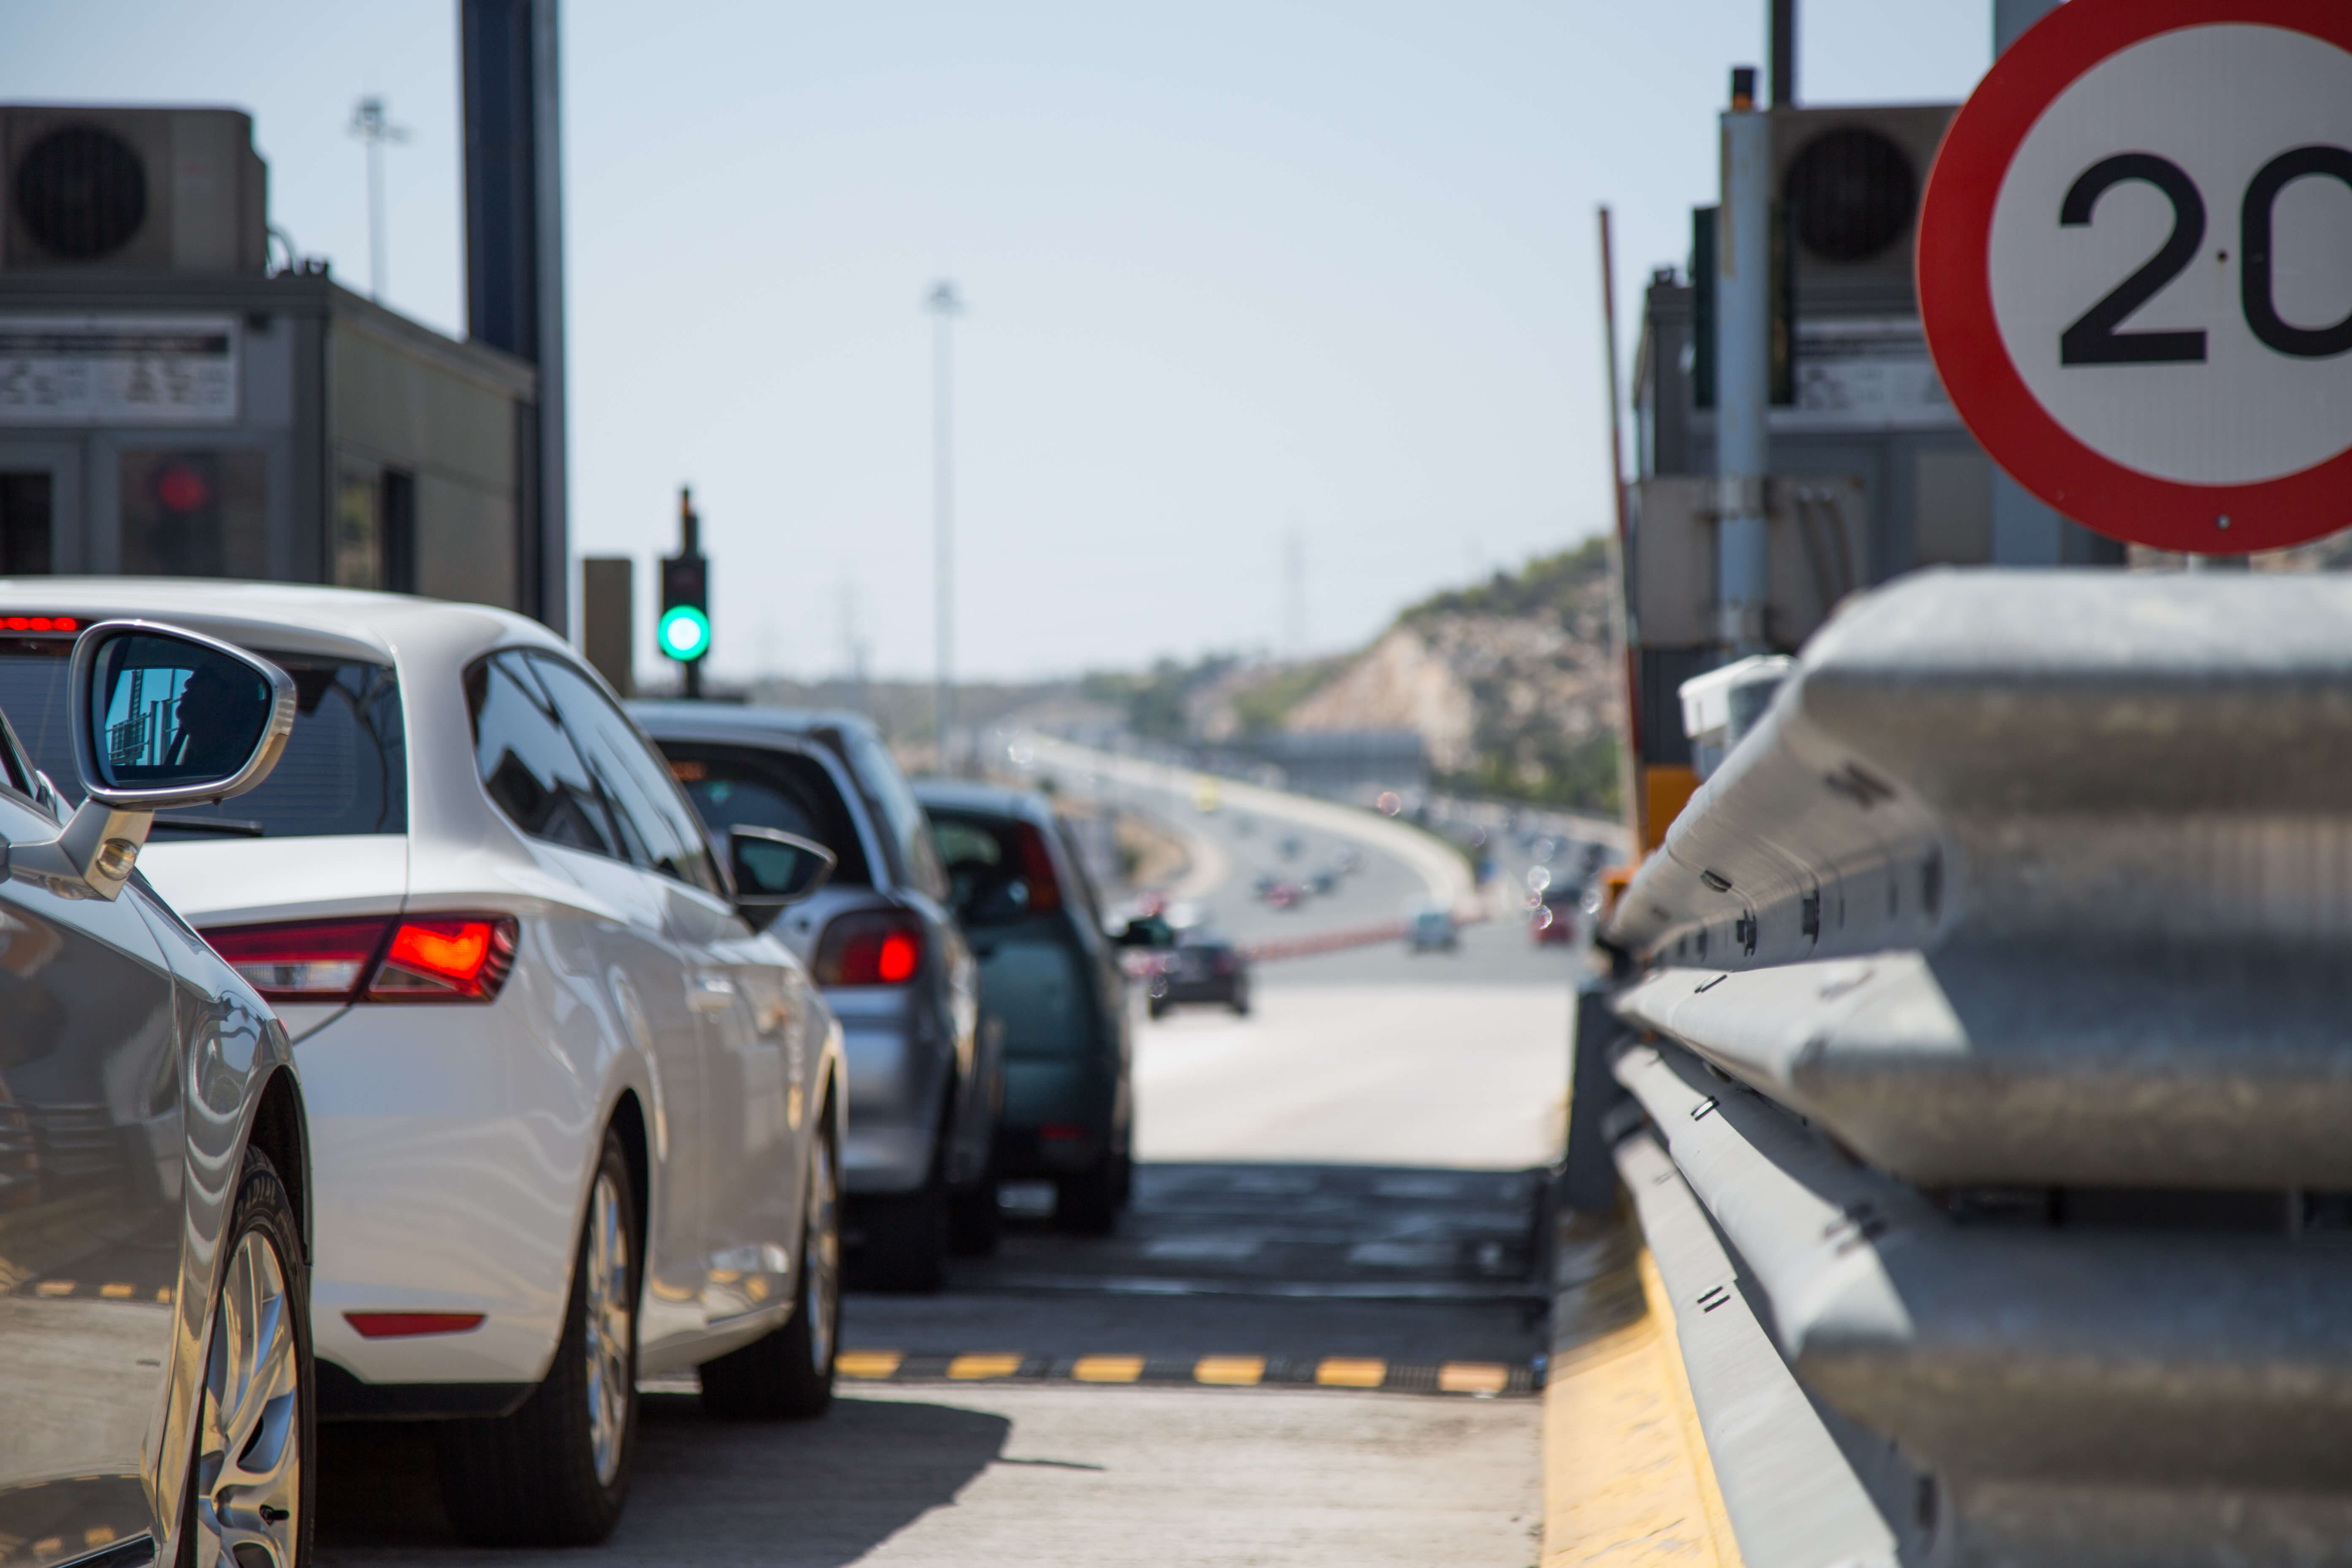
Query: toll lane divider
[1989,1000]
[1471,1378]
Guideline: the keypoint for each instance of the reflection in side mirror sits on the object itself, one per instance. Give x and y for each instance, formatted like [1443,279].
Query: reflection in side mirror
[161,718]
[773,868]
[1146,931]
[169,718]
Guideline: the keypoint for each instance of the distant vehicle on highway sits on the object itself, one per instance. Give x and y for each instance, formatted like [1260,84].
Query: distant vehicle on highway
[1326,880]
[1206,968]
[154,1143]
[1283,895]
[1291,846]
[1205,797]
[494,930]
[1351,860]
[882,940]
[1430,929]
[1552,915]
[1051,988]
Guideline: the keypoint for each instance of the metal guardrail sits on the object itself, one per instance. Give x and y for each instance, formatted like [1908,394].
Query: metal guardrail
[2007,1040]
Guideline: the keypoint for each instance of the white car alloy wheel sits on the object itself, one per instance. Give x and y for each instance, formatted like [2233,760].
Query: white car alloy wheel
[249,1448]
[609,1336]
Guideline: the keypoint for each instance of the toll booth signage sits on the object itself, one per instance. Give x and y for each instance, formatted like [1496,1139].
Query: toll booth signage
[119,369]
[2136,268]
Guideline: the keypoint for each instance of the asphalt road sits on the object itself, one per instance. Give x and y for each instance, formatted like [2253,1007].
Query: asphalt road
[1312,1339]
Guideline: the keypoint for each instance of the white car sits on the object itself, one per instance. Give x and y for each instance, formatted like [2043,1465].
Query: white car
[573,1118]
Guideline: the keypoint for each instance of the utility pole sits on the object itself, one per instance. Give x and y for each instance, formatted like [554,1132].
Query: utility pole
[945,307]
[1743,358]
[374,128]
[1294,607]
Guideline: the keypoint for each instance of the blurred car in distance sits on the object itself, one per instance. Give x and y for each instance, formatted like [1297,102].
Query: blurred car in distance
[1206,968]
[1291,846]
[1430,929]
[154,1142]
[1053,992]
[1553,916]
[1282,895]
[882,941]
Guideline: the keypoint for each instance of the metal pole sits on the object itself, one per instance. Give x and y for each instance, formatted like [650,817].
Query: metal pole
[689,533]
[374,128]
[1743,371]
[944,306]
[1620,613]
[1784,54]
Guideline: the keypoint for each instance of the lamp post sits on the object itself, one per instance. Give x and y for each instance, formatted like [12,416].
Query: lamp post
[374,128]
[945,306]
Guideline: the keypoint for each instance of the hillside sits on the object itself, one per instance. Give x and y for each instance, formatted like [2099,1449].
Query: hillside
[1510,683]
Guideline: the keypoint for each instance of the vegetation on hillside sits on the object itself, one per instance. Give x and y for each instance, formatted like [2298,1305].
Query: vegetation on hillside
[1554,586]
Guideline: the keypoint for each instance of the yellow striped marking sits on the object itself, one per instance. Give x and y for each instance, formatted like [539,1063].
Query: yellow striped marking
[116,1292]
[97,1535]
[1473,1377]
[164,1295]
[1351,1371]
[971,1368]
[1107,1368]
[1240,1370]
[49,1546]
[867,1364]
[54,1287]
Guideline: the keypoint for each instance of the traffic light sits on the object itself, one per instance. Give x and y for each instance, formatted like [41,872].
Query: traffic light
[684,631]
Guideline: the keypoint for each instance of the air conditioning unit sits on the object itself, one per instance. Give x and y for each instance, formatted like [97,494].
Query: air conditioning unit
[132,190]
[1848,182]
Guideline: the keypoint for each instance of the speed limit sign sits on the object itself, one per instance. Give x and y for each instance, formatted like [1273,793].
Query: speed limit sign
[2136,268]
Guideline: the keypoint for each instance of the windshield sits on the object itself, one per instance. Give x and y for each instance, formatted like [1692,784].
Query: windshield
[345,768]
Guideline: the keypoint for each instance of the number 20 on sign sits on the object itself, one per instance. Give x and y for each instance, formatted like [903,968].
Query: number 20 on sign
[2136,268]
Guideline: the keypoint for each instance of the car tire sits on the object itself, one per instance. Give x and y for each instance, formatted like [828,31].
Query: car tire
[1240,1001]
[975,1217]
[787,1375]
[905,1249]
[258,1371]
[1159,1008]
[556,1471]
[1088,1202]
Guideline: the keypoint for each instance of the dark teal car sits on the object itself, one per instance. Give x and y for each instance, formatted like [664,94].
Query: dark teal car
[1051,986]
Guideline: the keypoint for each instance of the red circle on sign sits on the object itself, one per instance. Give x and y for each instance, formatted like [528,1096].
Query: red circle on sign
[1955,308]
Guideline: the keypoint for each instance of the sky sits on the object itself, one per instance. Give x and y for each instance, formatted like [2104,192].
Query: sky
[1243,281]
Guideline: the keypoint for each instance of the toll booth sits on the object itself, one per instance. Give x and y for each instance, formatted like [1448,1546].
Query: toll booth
[175,400]
[1874,474]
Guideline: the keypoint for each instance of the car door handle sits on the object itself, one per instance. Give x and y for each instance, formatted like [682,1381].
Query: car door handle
[712,993]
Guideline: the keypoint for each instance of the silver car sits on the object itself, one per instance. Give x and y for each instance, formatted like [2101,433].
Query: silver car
[157,1392]
[926,1088]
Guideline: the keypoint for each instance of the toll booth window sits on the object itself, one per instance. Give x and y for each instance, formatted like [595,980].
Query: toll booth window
[194,514]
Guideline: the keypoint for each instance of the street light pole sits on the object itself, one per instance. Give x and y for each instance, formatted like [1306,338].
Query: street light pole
[374,128]
[945,307]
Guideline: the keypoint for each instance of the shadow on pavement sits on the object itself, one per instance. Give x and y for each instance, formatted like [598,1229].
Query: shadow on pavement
[812,1494]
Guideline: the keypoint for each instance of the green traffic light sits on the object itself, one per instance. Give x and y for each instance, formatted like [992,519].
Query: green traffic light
[685,633]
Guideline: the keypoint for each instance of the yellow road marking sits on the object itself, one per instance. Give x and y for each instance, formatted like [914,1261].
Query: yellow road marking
[970,1367]
[866,1364]
[164,1295]
[1626,1472]
[117,1292]
[54,1287]
[1473,1377]
[1351,1371]
[97,1535]
[1230,1369]
[1107,1368]
[48,1545]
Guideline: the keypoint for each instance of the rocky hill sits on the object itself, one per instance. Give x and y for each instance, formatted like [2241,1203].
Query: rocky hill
[1510,683]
